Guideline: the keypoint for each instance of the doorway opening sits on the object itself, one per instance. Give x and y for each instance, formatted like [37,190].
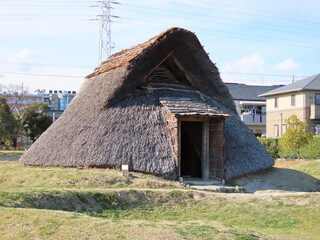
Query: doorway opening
[191,149]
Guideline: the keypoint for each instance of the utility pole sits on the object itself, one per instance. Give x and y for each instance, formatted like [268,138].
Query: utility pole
[280,124]
[105,44]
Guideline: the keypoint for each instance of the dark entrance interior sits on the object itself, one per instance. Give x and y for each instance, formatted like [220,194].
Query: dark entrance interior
[191,149]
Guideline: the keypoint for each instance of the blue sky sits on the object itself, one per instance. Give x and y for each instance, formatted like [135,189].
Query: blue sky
[53,44]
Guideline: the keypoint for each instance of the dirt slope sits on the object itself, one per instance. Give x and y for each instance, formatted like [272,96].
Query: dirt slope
[280,179]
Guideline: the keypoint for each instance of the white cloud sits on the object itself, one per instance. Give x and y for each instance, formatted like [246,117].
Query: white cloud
[252,63]
[22,61]
[288,65]
[254,70]
[23,55]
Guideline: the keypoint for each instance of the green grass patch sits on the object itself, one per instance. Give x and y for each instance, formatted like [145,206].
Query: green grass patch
[19,152]
[163,206]
[43,224]
[278,215]
[311,168]
[93,204]
[175,193]
[245,236]
[16,175]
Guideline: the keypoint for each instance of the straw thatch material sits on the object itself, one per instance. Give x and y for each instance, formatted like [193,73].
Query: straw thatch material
[117,118]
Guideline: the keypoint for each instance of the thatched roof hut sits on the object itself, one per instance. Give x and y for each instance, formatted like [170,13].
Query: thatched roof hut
[159,107]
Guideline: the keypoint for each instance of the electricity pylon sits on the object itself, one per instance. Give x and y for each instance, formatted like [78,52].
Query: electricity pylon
[105,44]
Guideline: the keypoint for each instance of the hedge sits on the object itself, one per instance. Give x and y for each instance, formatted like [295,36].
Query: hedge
[310,151]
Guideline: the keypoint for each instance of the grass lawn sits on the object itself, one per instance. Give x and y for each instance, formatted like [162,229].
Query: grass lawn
[66,203]
[309,167]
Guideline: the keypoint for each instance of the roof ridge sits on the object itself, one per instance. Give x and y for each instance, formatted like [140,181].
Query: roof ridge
[127,55]
[292,87]
[313,78]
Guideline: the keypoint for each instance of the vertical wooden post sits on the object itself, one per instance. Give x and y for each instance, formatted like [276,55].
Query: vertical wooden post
[205,150]
[179,148]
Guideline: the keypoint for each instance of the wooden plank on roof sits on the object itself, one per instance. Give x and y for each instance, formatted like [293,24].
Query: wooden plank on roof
[186,107]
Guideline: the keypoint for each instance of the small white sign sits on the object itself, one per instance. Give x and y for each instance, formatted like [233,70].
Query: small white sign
[125,168]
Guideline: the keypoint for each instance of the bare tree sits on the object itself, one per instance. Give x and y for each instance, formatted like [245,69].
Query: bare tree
[15,94]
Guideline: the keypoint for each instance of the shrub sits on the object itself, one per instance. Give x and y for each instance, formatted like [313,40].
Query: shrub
[312,150]
[289,154]
[296,137]
[271,145]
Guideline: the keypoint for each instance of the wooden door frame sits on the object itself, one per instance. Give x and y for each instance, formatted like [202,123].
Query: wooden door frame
[205,171]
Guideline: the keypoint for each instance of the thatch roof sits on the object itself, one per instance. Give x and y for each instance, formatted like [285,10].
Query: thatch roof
[117,118]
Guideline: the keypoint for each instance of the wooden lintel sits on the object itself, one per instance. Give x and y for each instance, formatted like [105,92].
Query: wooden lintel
[193,119]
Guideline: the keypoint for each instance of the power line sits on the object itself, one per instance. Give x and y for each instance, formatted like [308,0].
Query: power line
[42,75]
[230,24]
[203,31]
[29,5]
[222,73]
[263,74]
[265,82]
[49,19]
[235,20]
[233,6]
[52,1]
[42,15]
[235,35]
[219,22]
[302,17]
[43,65]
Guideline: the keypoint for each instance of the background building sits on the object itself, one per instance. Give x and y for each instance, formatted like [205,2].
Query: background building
[251,107]
[20,100]
[301,98]
[57,101]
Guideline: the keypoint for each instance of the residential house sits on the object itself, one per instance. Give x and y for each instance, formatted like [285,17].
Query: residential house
[301,98]
[250,107]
